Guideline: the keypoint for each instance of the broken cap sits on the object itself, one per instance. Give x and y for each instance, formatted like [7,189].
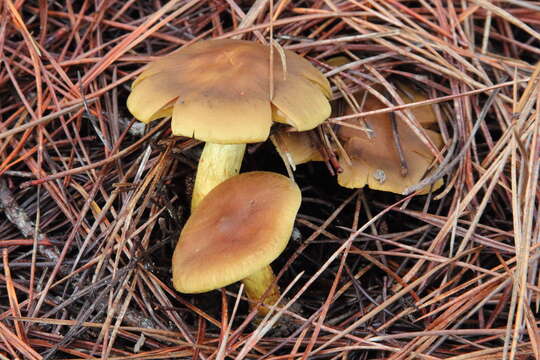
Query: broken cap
[219,91]
[239,228]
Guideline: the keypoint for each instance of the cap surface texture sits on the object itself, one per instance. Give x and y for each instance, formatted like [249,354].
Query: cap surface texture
[219,91]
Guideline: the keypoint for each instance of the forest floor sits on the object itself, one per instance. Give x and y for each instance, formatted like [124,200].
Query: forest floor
[92,202]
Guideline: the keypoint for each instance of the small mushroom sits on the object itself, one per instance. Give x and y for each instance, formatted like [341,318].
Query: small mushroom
[234,234]
[375,160]
[218,91]
[299,147]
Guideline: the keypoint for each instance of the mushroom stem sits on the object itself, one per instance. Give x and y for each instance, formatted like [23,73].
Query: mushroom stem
[218,162]
[256,285]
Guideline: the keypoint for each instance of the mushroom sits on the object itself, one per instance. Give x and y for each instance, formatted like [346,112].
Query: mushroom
[218,91]
[298,147]
[237,230]
[375,160]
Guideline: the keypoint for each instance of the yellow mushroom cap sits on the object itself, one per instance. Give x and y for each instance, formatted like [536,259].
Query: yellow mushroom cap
[240,227]
[299,146]
[219,91]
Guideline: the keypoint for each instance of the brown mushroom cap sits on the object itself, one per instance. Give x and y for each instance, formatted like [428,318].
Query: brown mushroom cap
[219,91]
[240,227]
[375,161]
[424,114]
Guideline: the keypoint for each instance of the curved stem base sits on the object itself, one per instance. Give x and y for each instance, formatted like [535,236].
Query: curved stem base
[255,287]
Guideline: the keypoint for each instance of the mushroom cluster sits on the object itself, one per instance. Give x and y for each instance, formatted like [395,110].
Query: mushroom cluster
[228,93]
